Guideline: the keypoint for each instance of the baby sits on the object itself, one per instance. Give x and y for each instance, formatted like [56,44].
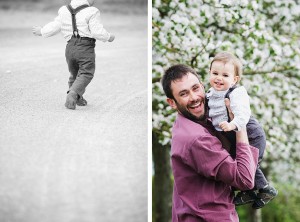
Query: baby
[81,26]
[225,73]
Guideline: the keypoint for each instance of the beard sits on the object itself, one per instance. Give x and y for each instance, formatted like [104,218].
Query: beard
[186,113]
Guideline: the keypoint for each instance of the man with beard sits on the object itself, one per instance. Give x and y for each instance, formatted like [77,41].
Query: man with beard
[203,170]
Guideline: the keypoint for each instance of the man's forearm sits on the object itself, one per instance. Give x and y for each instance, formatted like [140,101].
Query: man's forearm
[242,137]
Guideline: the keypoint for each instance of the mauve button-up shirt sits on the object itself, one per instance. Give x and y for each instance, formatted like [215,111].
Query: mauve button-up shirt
[204,173]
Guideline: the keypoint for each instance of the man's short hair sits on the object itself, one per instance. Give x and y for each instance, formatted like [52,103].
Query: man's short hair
[174,73]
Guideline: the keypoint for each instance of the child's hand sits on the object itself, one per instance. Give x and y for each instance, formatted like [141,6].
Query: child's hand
[36,30]
[225,126]
[111,38]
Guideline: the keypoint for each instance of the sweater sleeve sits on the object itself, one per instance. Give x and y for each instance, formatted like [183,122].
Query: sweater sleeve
[240,106]
[97,30]
[207,156]
[52,28]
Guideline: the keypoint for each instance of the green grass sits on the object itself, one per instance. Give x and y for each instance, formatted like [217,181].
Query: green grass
[284,208]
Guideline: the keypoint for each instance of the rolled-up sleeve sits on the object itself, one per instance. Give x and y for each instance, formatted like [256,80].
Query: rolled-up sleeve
[52,28]
[207,156]
[240,106]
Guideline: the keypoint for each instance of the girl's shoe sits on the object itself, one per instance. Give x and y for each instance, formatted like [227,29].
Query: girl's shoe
[264,196]
[81,101]
[245,197]
[71,100]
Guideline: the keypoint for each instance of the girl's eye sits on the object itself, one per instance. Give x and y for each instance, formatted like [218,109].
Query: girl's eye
[225,75]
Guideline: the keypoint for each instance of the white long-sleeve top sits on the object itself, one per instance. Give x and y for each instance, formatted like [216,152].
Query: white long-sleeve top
[88,23]
[239,104]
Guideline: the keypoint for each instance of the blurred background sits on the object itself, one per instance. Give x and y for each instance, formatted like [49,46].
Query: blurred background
[115,6]
[265,35]
[83,165]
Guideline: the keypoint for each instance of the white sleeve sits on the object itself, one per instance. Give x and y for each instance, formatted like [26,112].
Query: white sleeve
[52,28]
[97,30]
[240,106]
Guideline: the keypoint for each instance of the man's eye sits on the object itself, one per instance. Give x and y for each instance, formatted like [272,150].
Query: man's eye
[183,94]
[196,88]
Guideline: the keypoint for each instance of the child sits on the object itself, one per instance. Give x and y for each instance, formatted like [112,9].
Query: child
[225,73]
[80,25]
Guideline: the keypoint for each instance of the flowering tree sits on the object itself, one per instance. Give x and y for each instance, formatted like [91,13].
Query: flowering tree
[265,35]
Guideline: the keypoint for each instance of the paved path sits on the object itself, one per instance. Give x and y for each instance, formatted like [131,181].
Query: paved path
[60,165]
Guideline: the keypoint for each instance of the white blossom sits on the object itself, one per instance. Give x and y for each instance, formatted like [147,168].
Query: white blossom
[192,28]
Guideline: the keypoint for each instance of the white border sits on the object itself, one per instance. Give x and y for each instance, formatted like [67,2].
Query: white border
[149,110]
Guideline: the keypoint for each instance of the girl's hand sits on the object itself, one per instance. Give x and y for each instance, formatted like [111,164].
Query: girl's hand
[36,30]
[111,38]
[225,126]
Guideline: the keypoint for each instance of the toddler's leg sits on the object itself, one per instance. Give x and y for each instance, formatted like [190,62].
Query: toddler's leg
[73,67]
[72,62]
[84,76]
[80,57]
[86,63]
[257,139]
[71,100]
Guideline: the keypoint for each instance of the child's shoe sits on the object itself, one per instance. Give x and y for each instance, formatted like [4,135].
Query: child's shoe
[81,101]
[71,100]
[264,196]
[244,197]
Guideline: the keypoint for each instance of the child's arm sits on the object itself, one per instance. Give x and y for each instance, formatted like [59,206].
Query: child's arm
[97,30]
[111,38]
[50,29]
[225,126]
[240,106]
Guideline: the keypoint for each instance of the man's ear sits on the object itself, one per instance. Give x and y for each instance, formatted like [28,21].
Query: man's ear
[172,103]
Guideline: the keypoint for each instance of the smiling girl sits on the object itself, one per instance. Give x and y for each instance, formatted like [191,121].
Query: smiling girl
[224,75]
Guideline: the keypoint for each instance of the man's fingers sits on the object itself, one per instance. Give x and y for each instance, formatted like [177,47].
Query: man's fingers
[227,103]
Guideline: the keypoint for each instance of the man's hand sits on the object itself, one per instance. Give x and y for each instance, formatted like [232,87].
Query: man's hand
[111,38]
[225,126]
[36,30]
[241,136]
[227,103]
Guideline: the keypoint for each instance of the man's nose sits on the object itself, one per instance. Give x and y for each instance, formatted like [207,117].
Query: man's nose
[193,96]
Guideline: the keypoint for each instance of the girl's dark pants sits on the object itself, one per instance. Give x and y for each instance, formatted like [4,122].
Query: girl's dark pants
[257,138]
[80,56]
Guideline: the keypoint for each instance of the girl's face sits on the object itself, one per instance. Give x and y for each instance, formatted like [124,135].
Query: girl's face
[91,2]
[222,76]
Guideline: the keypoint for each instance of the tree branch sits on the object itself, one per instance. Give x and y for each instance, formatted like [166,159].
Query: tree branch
[261,72]
[279,69]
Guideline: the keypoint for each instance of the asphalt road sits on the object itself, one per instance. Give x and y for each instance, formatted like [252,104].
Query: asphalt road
[60,165]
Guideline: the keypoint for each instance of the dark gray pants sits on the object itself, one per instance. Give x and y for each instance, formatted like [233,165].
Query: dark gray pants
[80,56]
[257,138]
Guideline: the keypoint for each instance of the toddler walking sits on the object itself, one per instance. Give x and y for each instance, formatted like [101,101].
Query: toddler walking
[80,24]
[225,73]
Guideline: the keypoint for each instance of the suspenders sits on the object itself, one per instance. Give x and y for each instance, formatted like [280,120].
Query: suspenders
[226,96]
[230,90]
[74,12]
